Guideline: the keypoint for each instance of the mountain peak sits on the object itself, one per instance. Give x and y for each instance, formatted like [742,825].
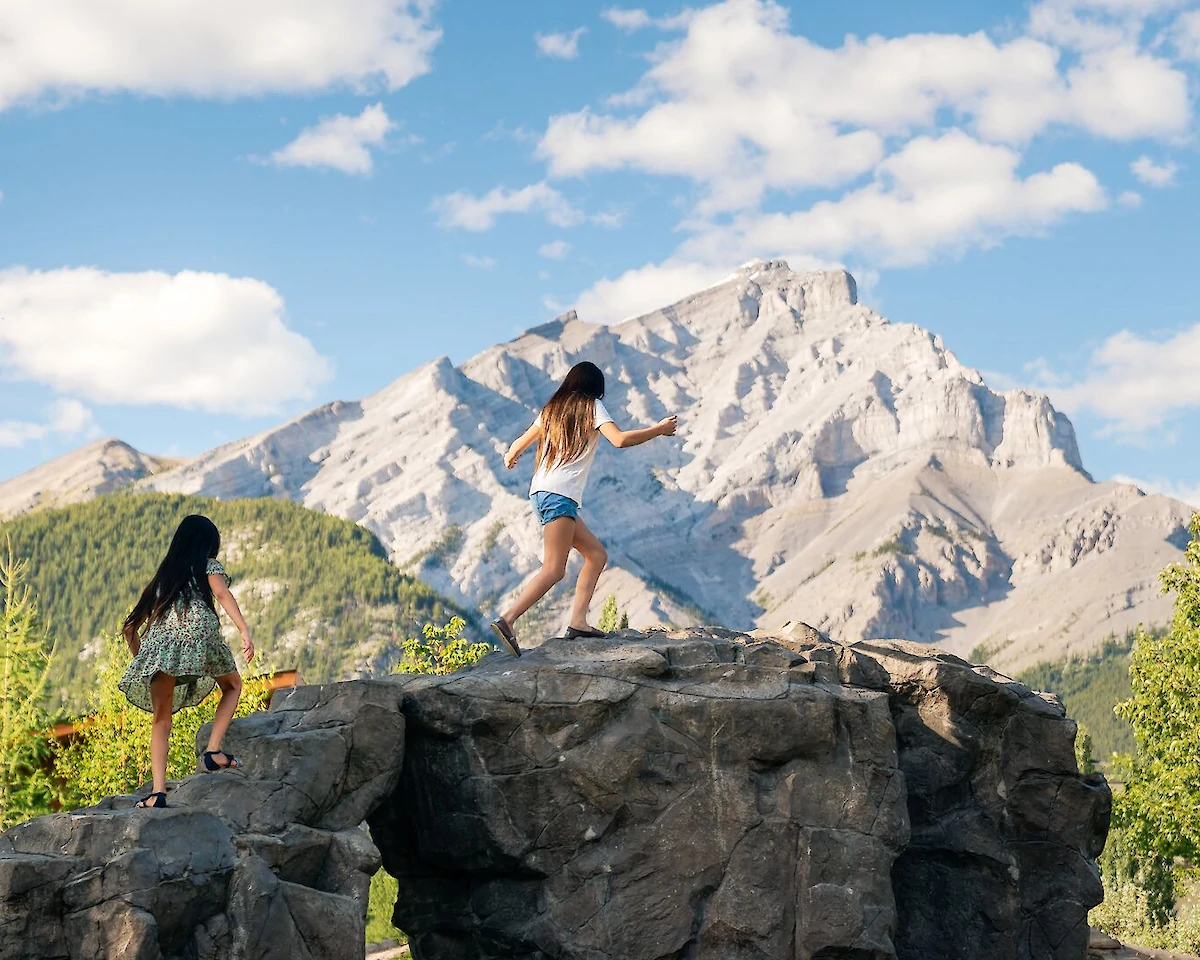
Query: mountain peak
[830,467]
[99,467]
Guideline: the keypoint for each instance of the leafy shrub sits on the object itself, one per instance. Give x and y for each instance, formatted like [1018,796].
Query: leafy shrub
[442,649]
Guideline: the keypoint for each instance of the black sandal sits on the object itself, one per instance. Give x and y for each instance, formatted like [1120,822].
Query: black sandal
[160,800]
[574,634]
[505,632]
[211,765]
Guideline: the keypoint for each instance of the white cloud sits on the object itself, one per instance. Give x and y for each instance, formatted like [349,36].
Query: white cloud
[554,250]
[202,341]
[742,105]
[645,288]
[1186,35]
[1090,24]
[1180,490]
[478,263]
[339,142]
[560,46]
[66,417]
[1134,383]
[1130,199]
[917,141]
[469,212]
[1154,174]
[638,19]
[223,48]
[935,195]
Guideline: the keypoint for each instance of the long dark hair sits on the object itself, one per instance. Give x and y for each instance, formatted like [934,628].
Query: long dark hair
[182,574]
[569,417]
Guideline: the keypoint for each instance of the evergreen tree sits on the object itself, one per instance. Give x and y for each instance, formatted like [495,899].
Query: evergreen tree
[25,659]
[610,616]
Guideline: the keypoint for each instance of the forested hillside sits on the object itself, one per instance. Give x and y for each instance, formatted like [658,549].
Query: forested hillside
[1089,688]
[318,591]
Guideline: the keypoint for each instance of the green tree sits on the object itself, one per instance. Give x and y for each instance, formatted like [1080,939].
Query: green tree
[26,790]
[612,618]
[1160,806]
[110,753]
[1156,818]
[442,650]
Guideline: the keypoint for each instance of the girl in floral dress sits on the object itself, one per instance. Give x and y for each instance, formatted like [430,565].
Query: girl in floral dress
[179,655]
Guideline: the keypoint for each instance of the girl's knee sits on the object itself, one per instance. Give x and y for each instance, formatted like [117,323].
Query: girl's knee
[231,683]
[555,574]
[601,557]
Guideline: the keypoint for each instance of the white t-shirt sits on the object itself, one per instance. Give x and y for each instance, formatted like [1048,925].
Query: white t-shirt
[569,479]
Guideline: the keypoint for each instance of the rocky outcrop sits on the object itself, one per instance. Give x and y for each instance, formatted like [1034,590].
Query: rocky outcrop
[701,794]
[270,863]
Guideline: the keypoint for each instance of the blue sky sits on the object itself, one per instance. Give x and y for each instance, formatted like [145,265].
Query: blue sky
[220,217]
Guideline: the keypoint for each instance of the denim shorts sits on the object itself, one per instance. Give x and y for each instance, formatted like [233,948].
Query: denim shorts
[550,506]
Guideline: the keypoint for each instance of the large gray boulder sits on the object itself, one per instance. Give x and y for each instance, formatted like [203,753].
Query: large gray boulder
[266,863]
[699,794]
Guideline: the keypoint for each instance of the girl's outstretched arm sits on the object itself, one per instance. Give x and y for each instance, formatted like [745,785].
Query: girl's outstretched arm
[631,438]
[227,600]
[523,443]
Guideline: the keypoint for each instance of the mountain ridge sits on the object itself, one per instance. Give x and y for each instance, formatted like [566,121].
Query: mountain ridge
[832,467]
[100,467]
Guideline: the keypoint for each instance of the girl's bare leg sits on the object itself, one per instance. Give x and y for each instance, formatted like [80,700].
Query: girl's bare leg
[556,545]
[231,692]
[594,559]
[162,692]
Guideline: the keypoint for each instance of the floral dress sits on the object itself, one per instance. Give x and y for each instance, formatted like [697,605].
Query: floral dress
[186,643]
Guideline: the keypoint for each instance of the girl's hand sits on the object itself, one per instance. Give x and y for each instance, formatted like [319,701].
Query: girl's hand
[247,647]
[510,458]
[666,428]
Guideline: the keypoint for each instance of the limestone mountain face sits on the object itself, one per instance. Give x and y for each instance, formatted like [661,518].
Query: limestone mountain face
[830,467]
[100,467]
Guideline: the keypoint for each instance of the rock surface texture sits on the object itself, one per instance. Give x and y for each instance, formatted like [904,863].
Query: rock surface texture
[700,794]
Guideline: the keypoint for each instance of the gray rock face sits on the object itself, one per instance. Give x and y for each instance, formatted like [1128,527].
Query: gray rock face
[700,794]
[267,863]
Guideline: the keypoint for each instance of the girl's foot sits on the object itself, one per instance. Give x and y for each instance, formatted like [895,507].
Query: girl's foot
[574,633]
[506,635]
[154,800]
[228,762]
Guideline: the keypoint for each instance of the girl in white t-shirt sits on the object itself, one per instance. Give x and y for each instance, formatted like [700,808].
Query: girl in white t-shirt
[567,432]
